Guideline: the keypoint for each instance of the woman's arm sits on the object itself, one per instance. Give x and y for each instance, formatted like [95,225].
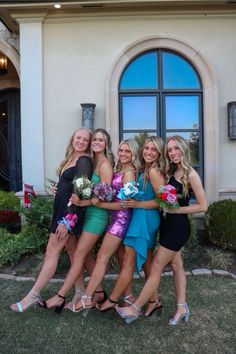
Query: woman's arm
[201,204]
[105,172]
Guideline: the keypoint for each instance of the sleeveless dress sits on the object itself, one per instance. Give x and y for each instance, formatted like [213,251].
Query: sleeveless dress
[119,218]
[175,228]
[65,189]
[95,219]
[142,231]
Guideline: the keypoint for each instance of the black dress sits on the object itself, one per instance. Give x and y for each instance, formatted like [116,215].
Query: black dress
[175,228]
[83,167]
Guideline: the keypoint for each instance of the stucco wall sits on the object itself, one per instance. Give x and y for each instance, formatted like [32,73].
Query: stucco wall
[78,56]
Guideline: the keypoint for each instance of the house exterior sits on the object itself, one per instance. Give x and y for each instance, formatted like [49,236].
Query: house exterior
[150,67]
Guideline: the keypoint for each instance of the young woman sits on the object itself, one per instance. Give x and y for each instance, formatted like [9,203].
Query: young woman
[76,162]
[125,170]
[142,231]
[174,231]
[95,219]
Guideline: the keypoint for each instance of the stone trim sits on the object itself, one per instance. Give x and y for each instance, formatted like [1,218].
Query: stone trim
[194,272]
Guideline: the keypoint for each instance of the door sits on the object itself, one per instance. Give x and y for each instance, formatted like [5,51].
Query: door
[10,141]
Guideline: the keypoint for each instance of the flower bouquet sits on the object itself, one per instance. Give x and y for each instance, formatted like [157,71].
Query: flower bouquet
[167,197]
[104,192]
[130,190]
[83,189]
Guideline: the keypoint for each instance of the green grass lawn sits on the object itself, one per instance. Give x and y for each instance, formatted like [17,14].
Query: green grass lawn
[211,329]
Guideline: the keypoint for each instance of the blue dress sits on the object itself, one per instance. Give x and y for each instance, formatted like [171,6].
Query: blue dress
[142,231]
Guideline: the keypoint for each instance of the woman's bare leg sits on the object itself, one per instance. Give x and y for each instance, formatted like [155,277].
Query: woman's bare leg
[53,251]
[128,296]
[161,259]
[124,279]
[109,245]
[153,301]
[84,246]
[179,278]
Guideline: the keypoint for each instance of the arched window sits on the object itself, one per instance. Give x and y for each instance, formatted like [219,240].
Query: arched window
[160,93]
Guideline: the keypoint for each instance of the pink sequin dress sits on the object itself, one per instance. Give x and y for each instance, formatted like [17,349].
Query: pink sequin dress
[119,218]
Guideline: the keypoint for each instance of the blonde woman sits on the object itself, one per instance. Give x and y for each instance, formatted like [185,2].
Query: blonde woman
[174,230]
[77,162]
[141,235]
[126,170]
[95,219]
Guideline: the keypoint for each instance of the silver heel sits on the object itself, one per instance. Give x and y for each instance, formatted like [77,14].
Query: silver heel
[185,317]
[128,318]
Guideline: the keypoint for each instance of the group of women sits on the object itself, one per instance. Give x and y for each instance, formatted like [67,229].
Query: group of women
[129,227]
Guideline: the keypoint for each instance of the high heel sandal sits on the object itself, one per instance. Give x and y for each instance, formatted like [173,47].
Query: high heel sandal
[185,316]
[101,301]
[33,300]
[77,296]
[126,299]
[58,309]
[128,318]
[157,309]
[114,303]
[85,309]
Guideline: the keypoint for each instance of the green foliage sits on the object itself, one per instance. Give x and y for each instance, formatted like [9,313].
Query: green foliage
[8,201]
[220,223]
[32,239]
[34,234]
[40,212]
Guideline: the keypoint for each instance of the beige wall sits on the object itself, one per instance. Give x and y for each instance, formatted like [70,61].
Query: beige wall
[79,55]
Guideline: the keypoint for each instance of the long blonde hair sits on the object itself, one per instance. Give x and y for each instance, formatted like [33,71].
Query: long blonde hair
[134,148]
[70,150]
[185,161]
[157,164]
[108,148]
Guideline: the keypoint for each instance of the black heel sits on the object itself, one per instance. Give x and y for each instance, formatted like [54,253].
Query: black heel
[109,308]
[100,302]
[58,309]
[158,309]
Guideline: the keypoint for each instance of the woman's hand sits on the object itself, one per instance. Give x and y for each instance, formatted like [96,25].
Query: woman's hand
[170,211]
[74,199]
[129,203]
[61,232]
[53,189]
[94,201]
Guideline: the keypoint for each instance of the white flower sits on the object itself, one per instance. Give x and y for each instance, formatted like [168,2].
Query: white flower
[79,182]
[87,192]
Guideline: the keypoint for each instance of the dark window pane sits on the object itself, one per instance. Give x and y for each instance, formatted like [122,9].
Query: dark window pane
[139,112]
[182,112]
[141,73]
[140,137]
[193,141]
[178,73]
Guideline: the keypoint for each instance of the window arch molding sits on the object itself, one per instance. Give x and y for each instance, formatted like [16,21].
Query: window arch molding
[210,98]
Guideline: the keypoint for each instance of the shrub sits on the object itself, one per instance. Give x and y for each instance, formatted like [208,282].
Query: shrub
[220,223]
[8,201]
[40,212]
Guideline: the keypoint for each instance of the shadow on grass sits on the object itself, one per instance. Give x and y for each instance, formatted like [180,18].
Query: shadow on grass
[211,328]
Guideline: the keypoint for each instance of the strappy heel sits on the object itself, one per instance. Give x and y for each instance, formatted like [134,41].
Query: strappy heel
[129,318]
[126,299]
[77,296]
[85,309]
[182,317]
[157,309]
[114,303]
[33,300]
[58,309]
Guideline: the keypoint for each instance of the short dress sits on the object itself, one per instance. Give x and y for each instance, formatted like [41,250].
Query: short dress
[142,231]
[84,166]
[119,218]
[95,219]
[175,228]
